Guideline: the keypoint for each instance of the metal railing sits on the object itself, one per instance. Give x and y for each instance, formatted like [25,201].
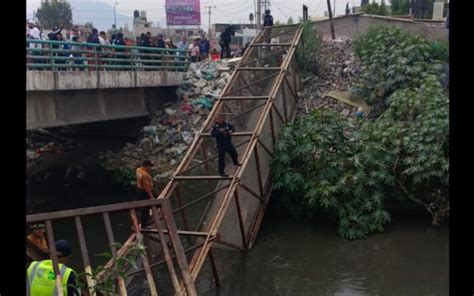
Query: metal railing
[163,222]
[68,56]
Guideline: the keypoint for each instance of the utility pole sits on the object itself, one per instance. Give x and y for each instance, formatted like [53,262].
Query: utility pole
[259,14]
[209,12]
[334,13]
[115,17]
[305,13]
[331,22]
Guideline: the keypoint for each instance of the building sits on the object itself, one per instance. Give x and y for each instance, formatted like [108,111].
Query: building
[141,26]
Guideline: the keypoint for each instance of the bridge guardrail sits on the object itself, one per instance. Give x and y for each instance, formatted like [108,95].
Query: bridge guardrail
[52,55]
[166,228]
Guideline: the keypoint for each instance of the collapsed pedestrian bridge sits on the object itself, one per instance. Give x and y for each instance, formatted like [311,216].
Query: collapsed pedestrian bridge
[199,213]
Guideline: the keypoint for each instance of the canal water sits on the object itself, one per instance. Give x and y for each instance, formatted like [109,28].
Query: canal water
[289,257]
[293,258]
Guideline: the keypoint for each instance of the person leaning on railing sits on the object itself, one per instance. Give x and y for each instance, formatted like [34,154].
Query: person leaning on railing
[93,38]
[76,54]
[105,50]
[63,53]
[182,46]
[119,41]
[35,34]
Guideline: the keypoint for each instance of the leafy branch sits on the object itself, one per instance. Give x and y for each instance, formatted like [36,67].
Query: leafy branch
[104,279]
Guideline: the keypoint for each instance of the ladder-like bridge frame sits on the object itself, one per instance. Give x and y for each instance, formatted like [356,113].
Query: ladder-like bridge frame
[261,96]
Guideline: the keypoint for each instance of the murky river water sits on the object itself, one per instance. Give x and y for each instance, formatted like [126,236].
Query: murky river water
[291,258]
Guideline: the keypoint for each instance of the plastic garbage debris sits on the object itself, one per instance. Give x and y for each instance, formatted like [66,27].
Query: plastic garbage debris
[204,101]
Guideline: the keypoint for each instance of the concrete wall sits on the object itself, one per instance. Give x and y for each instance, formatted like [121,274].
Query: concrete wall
[353,25]
[78,80]
[55,108]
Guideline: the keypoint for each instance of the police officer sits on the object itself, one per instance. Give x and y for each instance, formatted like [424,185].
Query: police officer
[268,22]
[225,39]
[41,277]
[222,131]
[268,19]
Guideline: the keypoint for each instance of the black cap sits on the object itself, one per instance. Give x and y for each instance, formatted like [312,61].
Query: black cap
[64,247]
[147,162]
[37,226]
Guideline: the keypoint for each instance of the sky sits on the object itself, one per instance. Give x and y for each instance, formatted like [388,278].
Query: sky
[223,11]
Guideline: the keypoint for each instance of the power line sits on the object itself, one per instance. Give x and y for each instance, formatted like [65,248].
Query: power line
[278,7]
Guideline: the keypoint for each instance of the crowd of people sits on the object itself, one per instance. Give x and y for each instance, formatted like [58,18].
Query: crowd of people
[76,56]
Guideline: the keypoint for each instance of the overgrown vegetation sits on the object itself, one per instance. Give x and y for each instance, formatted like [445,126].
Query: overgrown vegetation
[308,48]
[393,60]
[124,177]
[349,168]
[105,278]
[375,8]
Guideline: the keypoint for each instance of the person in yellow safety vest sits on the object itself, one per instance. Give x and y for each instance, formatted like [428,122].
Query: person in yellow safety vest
[41,277]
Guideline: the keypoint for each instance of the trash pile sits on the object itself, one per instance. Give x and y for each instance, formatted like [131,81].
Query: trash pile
[338,70]
[170,132]
[41,141]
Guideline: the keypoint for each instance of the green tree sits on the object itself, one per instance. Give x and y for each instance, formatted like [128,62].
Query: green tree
[55,13]
[400,7]
[290,21]
[375,9]
[89,25]
[382,9]
[277,23]
[348,169]
[423,9]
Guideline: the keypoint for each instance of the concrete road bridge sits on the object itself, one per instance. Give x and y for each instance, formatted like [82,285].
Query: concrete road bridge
[72,83]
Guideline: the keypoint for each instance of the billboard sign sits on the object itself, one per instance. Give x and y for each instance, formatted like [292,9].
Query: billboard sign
[183,12]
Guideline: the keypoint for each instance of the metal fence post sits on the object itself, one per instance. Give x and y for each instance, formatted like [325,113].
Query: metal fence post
[51,56]
[96,59]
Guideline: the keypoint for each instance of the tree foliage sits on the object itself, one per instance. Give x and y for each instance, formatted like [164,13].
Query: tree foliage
[105,278]
[55,13]
[394,59]
[308,49]
[400,7]
[375,9]
[349,168]
[290,21]
[423,9]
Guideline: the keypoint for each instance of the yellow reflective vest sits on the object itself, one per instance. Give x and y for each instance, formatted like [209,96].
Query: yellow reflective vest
[41,278]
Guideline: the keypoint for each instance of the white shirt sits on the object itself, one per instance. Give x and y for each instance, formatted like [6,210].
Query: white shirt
[102,41]
[35,33]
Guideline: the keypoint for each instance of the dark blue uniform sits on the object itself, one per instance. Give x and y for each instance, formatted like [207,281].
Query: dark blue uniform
[224,144]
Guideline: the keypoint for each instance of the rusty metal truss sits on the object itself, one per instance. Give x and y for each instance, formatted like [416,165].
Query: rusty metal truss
[202,210]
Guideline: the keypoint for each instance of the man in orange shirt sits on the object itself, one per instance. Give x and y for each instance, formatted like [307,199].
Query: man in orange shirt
[37,237]
[145,187]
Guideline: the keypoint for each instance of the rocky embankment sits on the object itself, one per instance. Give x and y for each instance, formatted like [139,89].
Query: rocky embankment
[337,70]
